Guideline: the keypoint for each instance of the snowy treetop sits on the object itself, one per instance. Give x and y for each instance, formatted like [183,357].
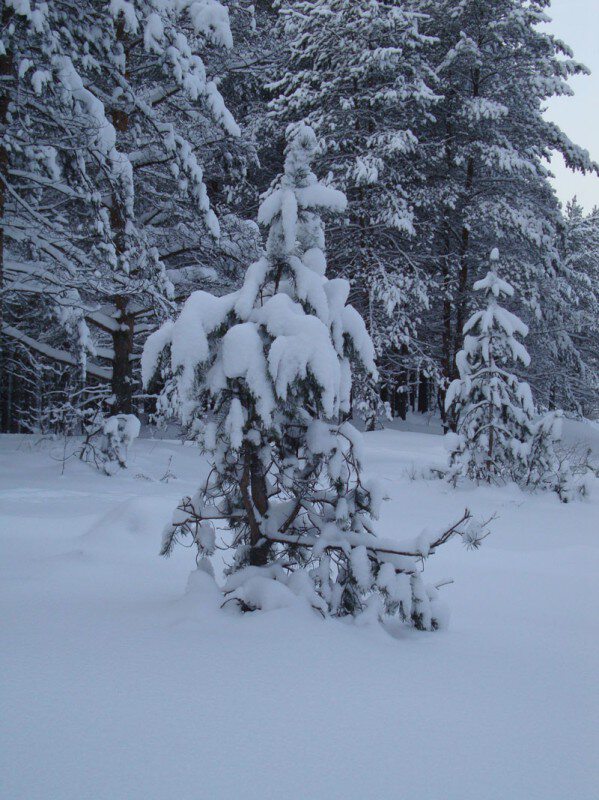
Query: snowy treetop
[289,324]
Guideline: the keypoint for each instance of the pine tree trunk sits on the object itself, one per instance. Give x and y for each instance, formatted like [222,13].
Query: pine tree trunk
[402,399]
[423,394]
[259,552]
[122,374]
[464,274]
[255,498]
[6,68]
[122,338]
[446,353]
[463,279]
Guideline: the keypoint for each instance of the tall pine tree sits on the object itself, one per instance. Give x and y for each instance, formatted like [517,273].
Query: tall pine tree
[488,173]
[358,72]
[114,131]
[261,377]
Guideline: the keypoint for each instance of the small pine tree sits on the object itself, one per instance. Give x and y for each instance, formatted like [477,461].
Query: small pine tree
[262,377]
[499,435]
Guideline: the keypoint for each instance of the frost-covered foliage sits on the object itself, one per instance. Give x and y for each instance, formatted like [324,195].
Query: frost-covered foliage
[137,135]
[113,126]
[261,377]
[119,433]
[496,67]
[499,436]
[357,71]
[565,341]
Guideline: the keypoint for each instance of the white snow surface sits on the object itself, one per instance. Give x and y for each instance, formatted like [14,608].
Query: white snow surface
[123,680]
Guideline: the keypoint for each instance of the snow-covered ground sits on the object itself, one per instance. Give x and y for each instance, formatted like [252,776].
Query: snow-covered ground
[120,686]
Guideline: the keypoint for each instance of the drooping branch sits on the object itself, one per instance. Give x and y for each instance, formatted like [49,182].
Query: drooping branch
[54,354]
[354,539]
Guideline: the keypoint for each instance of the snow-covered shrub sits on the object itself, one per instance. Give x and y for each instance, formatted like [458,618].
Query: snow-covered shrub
[262,378]
[118,432]
[567,471]
[499,436]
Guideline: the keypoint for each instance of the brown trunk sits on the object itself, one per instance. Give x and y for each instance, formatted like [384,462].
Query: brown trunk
[446,351]
[258,553]
[463,280]
[122,375]
[255,498]
[453,333]
[462,300]
[120,117]
[423,394]
[490,453]
[122,338]
[402,398]
[6,68]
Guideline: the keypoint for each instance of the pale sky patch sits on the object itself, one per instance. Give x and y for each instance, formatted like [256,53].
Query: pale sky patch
[576,22]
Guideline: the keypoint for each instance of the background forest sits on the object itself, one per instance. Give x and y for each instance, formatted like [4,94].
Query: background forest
[137,139]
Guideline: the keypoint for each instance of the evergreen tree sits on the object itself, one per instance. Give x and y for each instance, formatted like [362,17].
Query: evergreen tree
[261,377]
[565,341]
[59,159]
[357,71]
[496,67]
[499,436]
[113,130]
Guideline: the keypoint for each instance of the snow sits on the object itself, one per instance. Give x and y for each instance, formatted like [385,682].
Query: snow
[355,327]
[126,426]
[243,357]
[302,344]
[153,33]
[201,314]
[118,7]
[361,566]
[265,594]
[279,344]
[123,679]
[234,424]
[211,18]
[153,347]
[22,7]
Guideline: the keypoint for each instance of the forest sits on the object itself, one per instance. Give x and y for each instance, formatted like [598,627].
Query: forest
[139,137]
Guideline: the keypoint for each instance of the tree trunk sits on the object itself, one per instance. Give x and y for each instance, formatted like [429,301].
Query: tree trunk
[402,399]
[255,498]
[463,279]
[122,374]
[423,389]
[6,68]
[122,338]
[446,352]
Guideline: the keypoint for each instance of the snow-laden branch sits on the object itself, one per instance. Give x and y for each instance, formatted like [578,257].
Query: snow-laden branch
[55,354]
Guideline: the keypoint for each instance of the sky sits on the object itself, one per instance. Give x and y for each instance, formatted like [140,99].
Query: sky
[576,22]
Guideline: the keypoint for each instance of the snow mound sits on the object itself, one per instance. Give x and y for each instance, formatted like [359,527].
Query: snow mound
[264,594]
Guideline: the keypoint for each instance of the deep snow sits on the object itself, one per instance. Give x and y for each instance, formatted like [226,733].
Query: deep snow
[118,685]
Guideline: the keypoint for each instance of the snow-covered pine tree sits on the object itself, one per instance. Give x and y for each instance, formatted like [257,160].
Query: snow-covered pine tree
[112,129]
[496,66]
[564,343]
[357,71]
[260,377]
[59,158]
[499,436]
